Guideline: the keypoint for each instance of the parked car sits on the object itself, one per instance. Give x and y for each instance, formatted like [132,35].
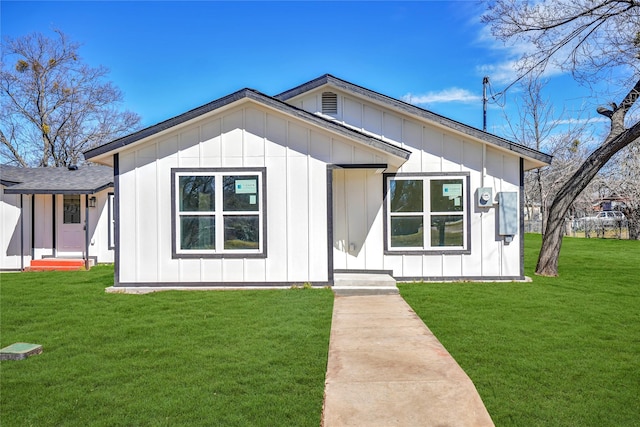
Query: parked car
[607,218]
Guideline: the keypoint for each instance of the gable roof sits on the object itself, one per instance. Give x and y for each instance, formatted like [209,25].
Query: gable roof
[84,180]
[537,158]
[254,95]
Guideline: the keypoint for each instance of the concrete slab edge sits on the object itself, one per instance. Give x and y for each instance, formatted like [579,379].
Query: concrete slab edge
[140,290]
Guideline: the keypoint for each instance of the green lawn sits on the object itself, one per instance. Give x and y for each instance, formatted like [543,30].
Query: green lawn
[232,358]
[556,352]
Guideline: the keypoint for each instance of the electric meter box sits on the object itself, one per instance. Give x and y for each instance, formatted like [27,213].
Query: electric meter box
[485,197]
[508,219]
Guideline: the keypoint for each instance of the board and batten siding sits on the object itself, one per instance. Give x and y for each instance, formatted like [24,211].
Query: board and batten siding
[43,225]
[295,156]
[99,228]
[12,230]
[434,150]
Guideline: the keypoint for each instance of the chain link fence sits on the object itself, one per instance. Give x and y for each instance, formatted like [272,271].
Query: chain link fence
[587,227]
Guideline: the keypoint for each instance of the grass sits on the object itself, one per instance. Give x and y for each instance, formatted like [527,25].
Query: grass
[556,352]
[232,358]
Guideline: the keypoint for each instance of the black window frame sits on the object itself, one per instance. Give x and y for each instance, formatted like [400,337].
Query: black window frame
[427,177]
[219,173]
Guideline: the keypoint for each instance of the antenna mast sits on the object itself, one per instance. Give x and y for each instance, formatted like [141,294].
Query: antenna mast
[485,82]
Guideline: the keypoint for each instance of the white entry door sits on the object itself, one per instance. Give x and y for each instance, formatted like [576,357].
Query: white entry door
[357,220]
[70,225]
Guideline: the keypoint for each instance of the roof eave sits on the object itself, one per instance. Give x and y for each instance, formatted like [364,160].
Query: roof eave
[534,156]
[13,190]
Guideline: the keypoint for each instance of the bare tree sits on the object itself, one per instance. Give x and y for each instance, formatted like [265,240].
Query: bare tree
[623,181]
[538,126]
[590,38]
[54,106]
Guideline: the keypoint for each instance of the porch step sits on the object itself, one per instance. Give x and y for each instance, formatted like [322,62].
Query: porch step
[56,264]
[350,284]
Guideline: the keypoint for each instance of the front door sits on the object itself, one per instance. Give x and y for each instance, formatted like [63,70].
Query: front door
[357,219]
[70,225]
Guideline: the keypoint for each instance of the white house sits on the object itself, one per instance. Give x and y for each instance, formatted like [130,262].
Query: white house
[54,213]
[327,177]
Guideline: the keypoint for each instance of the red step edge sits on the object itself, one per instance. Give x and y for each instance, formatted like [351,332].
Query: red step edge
[45,262]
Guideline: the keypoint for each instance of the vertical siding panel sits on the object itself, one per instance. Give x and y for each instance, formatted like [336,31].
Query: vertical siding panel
[309,103]
[375,236]
[372,120]
[168,148]
[511,252]
[211,270]
[432,265]
[362,156]
[147,221]
[189,143]
[233,270]
[9,230]
[452,265]
[168,268]
[356,210]
[320,147]
[298,216]
[318,257]
[43,225]
[394,263]
[392,127]
[412,139]
[232,137]
[254,133]
[254,270]
[28,218]
[472,263]
[340,237]
[277,135]
[211,145]
[412,265]
[341,152]
[99,235]
[492,247]
[277,219]
[352,112]
[298,140]
[432,141]
[190,270]
[128,213]
[472,162]
[452,154]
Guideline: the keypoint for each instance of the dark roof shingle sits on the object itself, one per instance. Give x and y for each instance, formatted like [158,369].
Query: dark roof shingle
[84,180]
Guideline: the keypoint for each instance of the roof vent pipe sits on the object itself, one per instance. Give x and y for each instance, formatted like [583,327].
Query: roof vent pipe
[73,167]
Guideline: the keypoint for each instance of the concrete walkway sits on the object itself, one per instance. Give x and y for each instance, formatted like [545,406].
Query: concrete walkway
[387,369]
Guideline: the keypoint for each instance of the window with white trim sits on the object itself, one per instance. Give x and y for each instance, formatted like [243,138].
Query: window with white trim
[426,213]
[218,212]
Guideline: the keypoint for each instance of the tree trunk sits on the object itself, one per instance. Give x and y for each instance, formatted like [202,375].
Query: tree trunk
[633,222]
[618,138]
[543,207]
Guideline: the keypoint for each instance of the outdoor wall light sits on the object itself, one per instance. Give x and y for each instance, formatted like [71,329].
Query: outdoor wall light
[92,202]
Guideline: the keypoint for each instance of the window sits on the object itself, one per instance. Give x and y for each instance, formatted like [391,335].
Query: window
[218,212]
[426,213]
[71,209]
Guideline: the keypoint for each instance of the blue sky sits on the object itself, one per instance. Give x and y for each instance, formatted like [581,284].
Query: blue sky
[169,57]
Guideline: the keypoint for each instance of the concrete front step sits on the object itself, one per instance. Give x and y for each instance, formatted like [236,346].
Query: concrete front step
[56,264]
[351,284]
